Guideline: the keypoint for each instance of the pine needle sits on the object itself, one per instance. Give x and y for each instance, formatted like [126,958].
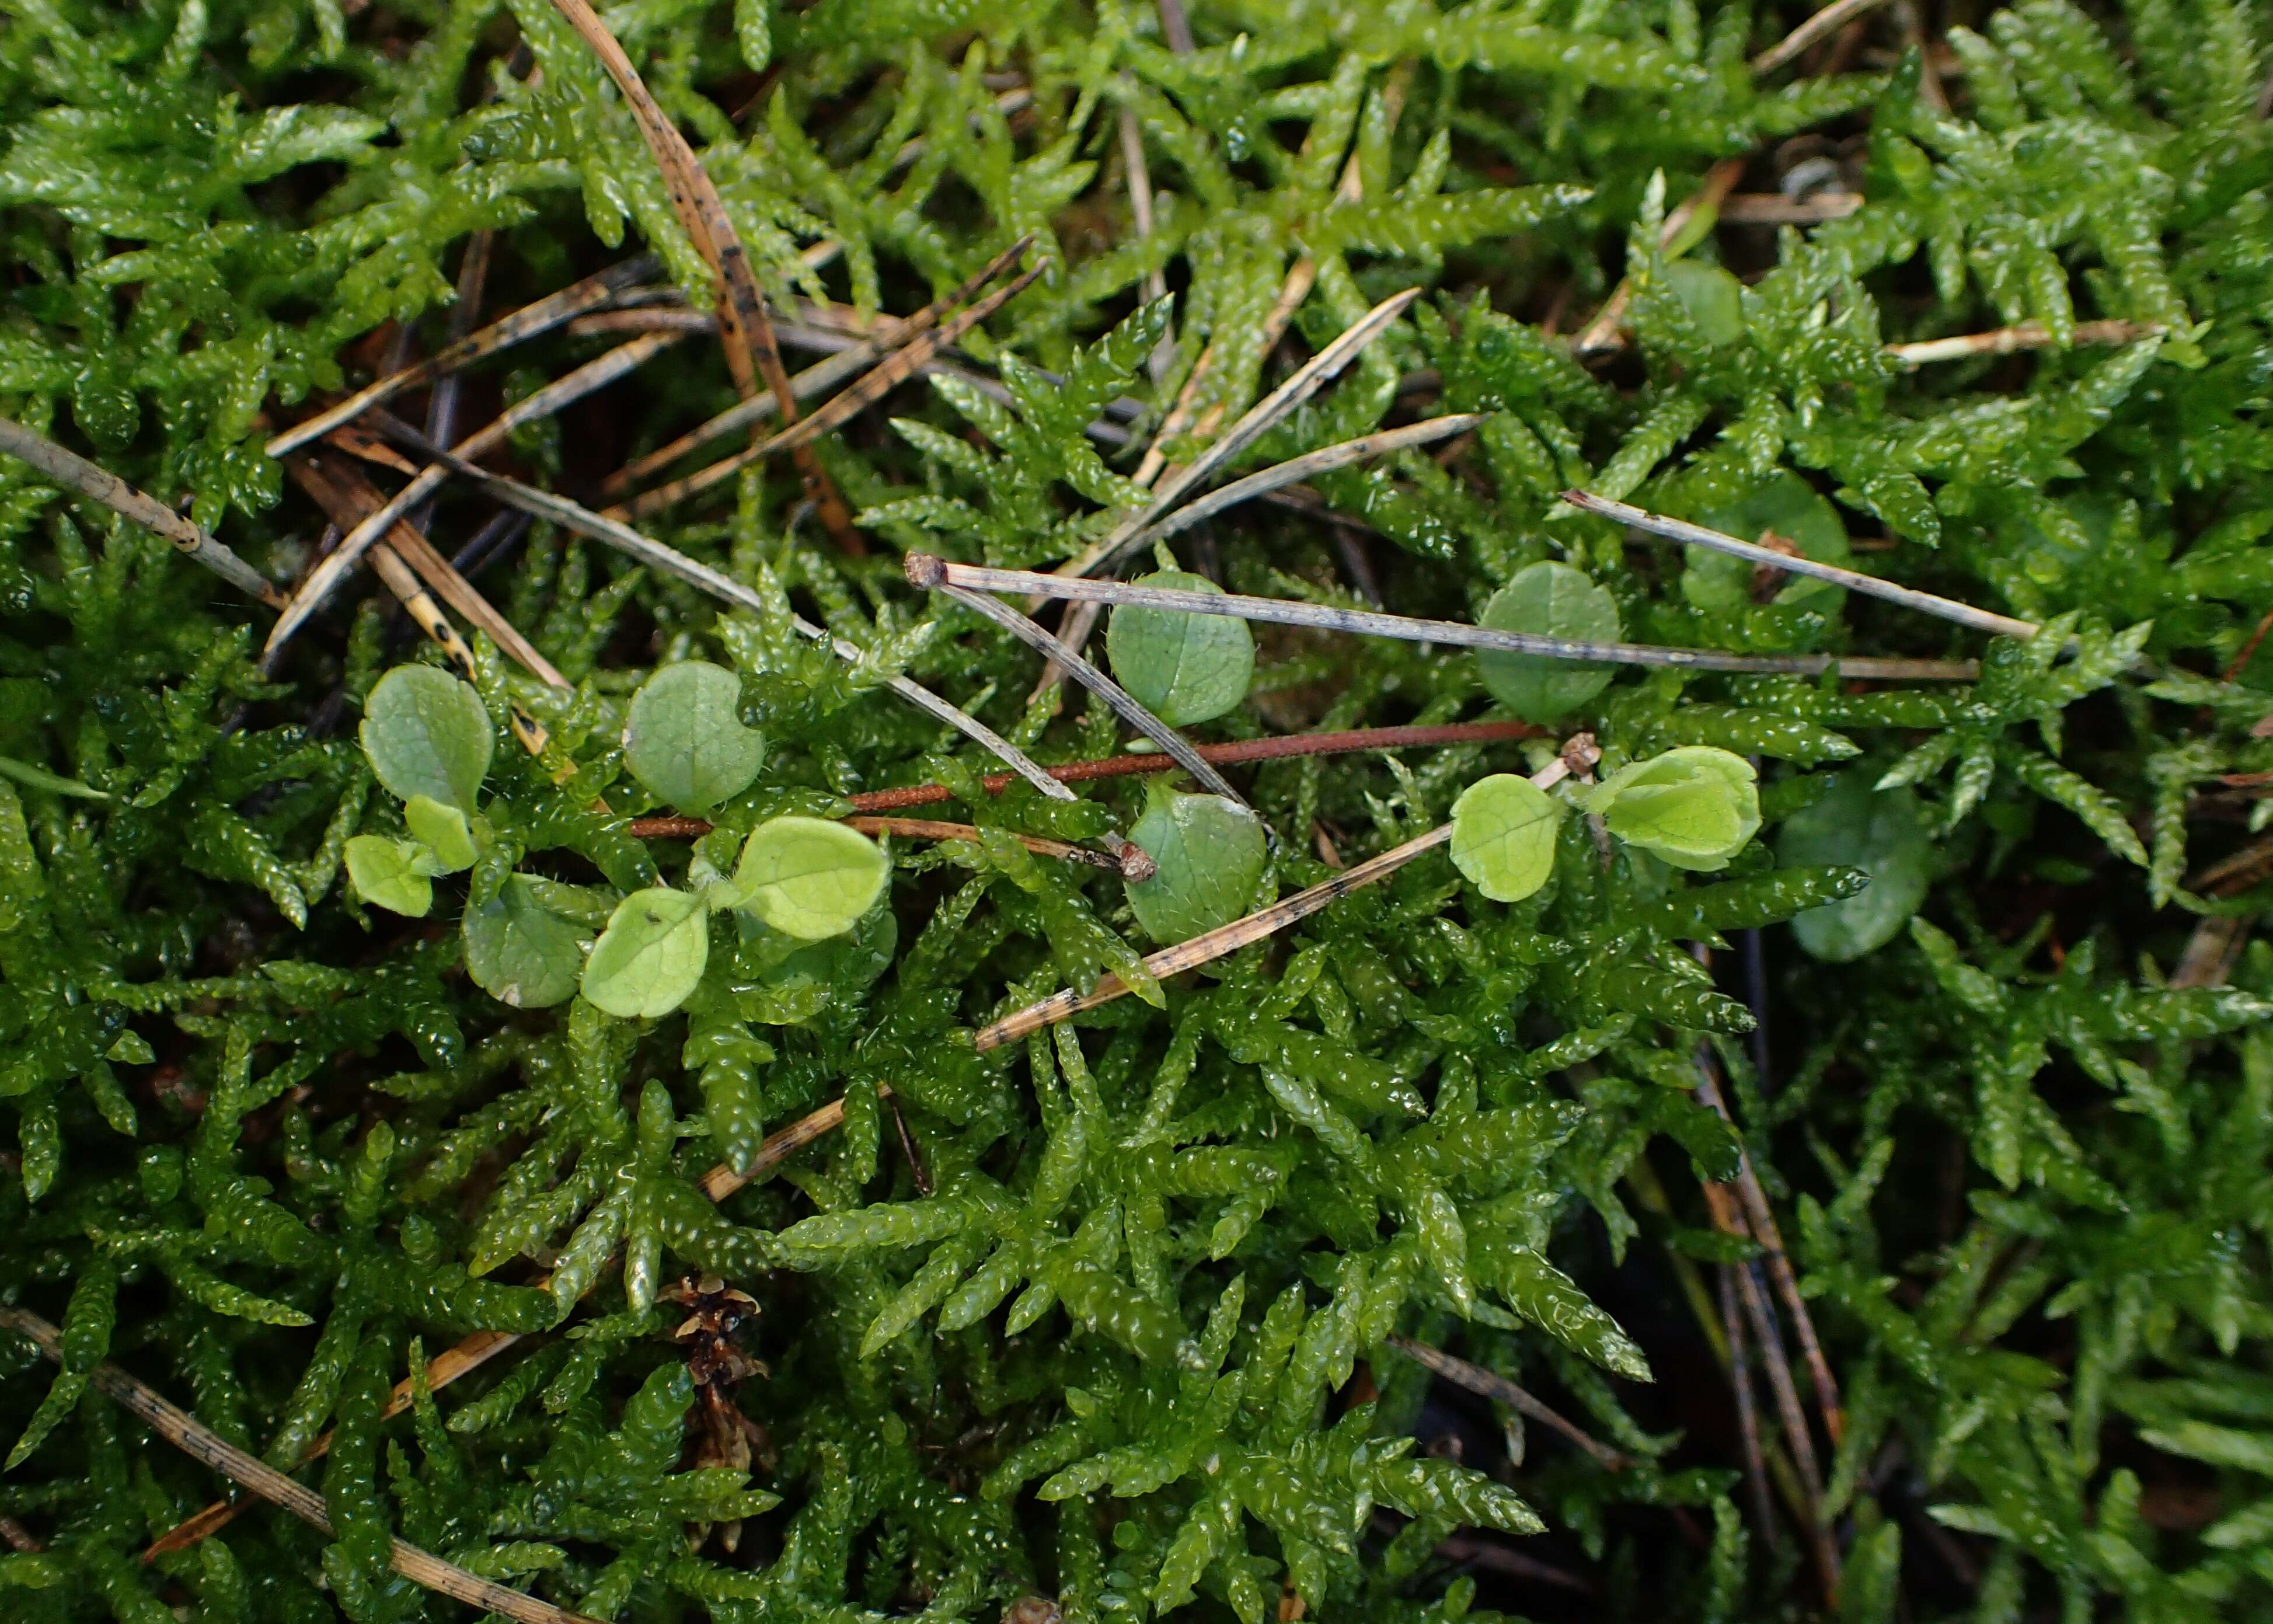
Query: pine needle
[200,1442]
[529,321]
[99,484]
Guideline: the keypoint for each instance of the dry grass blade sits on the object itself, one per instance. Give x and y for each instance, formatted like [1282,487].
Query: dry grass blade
[1296,469]
[479,1348]
[1604,332]
[1178,748]
[326,577]
[98,484]
[647,550]
[751,353]
[343,494]
[186,1433]
[1699,536]
[883,336]
[1492,1384]
[1371,623]
[1244,932]
[2009,341]
[1270,409]
[893,371]
[524,324]
[1821,25]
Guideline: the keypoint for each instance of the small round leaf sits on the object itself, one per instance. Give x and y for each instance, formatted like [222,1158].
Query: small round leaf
[1211,853]
[1879,831]
[810,878]
[520,951]
[1183,667]
[1547,600]
[386,873]
[427,734]
[1503,836]
[685,739]
[1713,299]
[650,957]
[1693,807]
[447,835]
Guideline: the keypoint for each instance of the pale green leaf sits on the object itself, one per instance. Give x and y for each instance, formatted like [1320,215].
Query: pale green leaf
[651,955]
[685,739]
[810,878]
[427,733]
[1503,836]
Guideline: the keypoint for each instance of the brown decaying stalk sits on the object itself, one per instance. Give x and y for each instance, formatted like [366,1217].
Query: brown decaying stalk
[888,375]
[751,353]
[483,1346]
[521,325]
[99,484]
[1492,1384]
[1701,536]
[1255,927]
[199,1442]
[886,335]
[2006,341]
[383,517]
[1748,1412]
[1761,1220]
[318,478]
[345,496]
[1821,25]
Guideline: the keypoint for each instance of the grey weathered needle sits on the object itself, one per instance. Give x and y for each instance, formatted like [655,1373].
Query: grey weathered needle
[1089,676]
[1371,623]
[1259,420]
[100,484]
[1699,536]
[1324,460]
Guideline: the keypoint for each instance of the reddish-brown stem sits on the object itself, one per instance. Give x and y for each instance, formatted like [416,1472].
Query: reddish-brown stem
[1122,766]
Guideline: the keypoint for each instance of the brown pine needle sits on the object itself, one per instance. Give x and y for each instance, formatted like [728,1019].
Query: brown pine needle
[1239,933]
[528,322]
[326,576]
[1372,623]
[1492,1384]
[327,485]
[893,371]
[98,484]
[1821,25]
[2008,341]
[200,1442]
[751,353]
[343,494]
[884,335]
[1699,536]
[483,1346]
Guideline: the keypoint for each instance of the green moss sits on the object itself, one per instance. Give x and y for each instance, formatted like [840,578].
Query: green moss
[1104,1316]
